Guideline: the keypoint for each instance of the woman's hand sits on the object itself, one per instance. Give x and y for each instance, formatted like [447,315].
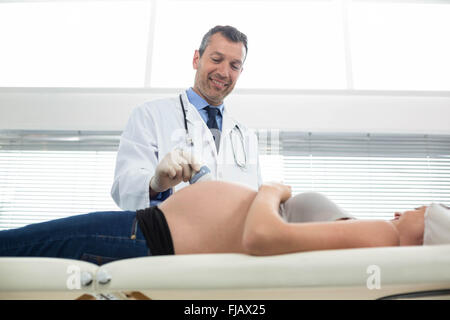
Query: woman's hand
[410,225]
[284,192]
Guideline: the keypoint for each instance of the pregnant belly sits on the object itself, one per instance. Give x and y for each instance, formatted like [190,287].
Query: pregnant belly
[208,217]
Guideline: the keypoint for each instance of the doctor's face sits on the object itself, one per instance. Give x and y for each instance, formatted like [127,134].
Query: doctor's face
[218,68]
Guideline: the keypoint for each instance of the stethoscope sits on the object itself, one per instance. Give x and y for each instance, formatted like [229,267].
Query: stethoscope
[241,163]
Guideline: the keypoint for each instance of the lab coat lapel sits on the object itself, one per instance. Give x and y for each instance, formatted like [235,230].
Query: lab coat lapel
[192,115]
[194,118]
[227,125]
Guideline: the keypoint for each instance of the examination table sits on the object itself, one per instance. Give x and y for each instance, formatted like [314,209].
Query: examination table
[415,272]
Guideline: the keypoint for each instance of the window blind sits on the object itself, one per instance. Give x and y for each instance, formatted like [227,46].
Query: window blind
[370,175]
[51,175]
[48,175]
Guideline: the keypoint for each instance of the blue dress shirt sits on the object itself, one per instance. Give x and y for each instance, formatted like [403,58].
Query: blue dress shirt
[199,103]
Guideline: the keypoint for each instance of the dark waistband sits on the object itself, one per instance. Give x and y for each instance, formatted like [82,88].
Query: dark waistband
[153,225]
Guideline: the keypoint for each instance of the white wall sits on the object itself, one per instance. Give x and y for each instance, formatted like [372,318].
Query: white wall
[324,111]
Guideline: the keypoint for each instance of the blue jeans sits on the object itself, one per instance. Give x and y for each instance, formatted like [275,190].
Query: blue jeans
[97,237]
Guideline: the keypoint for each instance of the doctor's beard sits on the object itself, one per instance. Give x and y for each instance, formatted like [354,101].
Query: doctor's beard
[212,92]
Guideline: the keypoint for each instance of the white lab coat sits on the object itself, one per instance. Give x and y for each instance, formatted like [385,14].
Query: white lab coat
[156,128]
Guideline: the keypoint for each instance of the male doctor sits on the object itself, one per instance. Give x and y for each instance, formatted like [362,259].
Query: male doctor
[165,142]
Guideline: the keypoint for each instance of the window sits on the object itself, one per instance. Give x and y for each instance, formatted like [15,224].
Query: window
[73,43]
[46,176]
[49,175]
[370,175]
[292,44]
[400,46]
[297,45]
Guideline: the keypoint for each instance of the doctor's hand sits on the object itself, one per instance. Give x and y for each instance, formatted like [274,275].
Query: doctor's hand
[176,166]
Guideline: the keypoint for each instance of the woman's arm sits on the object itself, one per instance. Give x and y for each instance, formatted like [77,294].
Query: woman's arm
[410,225]
[265,233]
[263,224]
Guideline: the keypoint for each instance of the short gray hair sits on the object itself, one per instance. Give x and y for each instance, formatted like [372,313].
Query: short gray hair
[229,32]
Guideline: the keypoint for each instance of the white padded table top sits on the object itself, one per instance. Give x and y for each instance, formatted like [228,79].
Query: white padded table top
[333,274]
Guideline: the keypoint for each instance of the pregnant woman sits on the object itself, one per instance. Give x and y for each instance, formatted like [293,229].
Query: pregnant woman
[210,217]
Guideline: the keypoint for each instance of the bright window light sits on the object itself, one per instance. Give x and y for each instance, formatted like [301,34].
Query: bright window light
[38,185]
[400,46]
[48,175]
[390,45]
[74,44]
[292,44]
[369,175]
